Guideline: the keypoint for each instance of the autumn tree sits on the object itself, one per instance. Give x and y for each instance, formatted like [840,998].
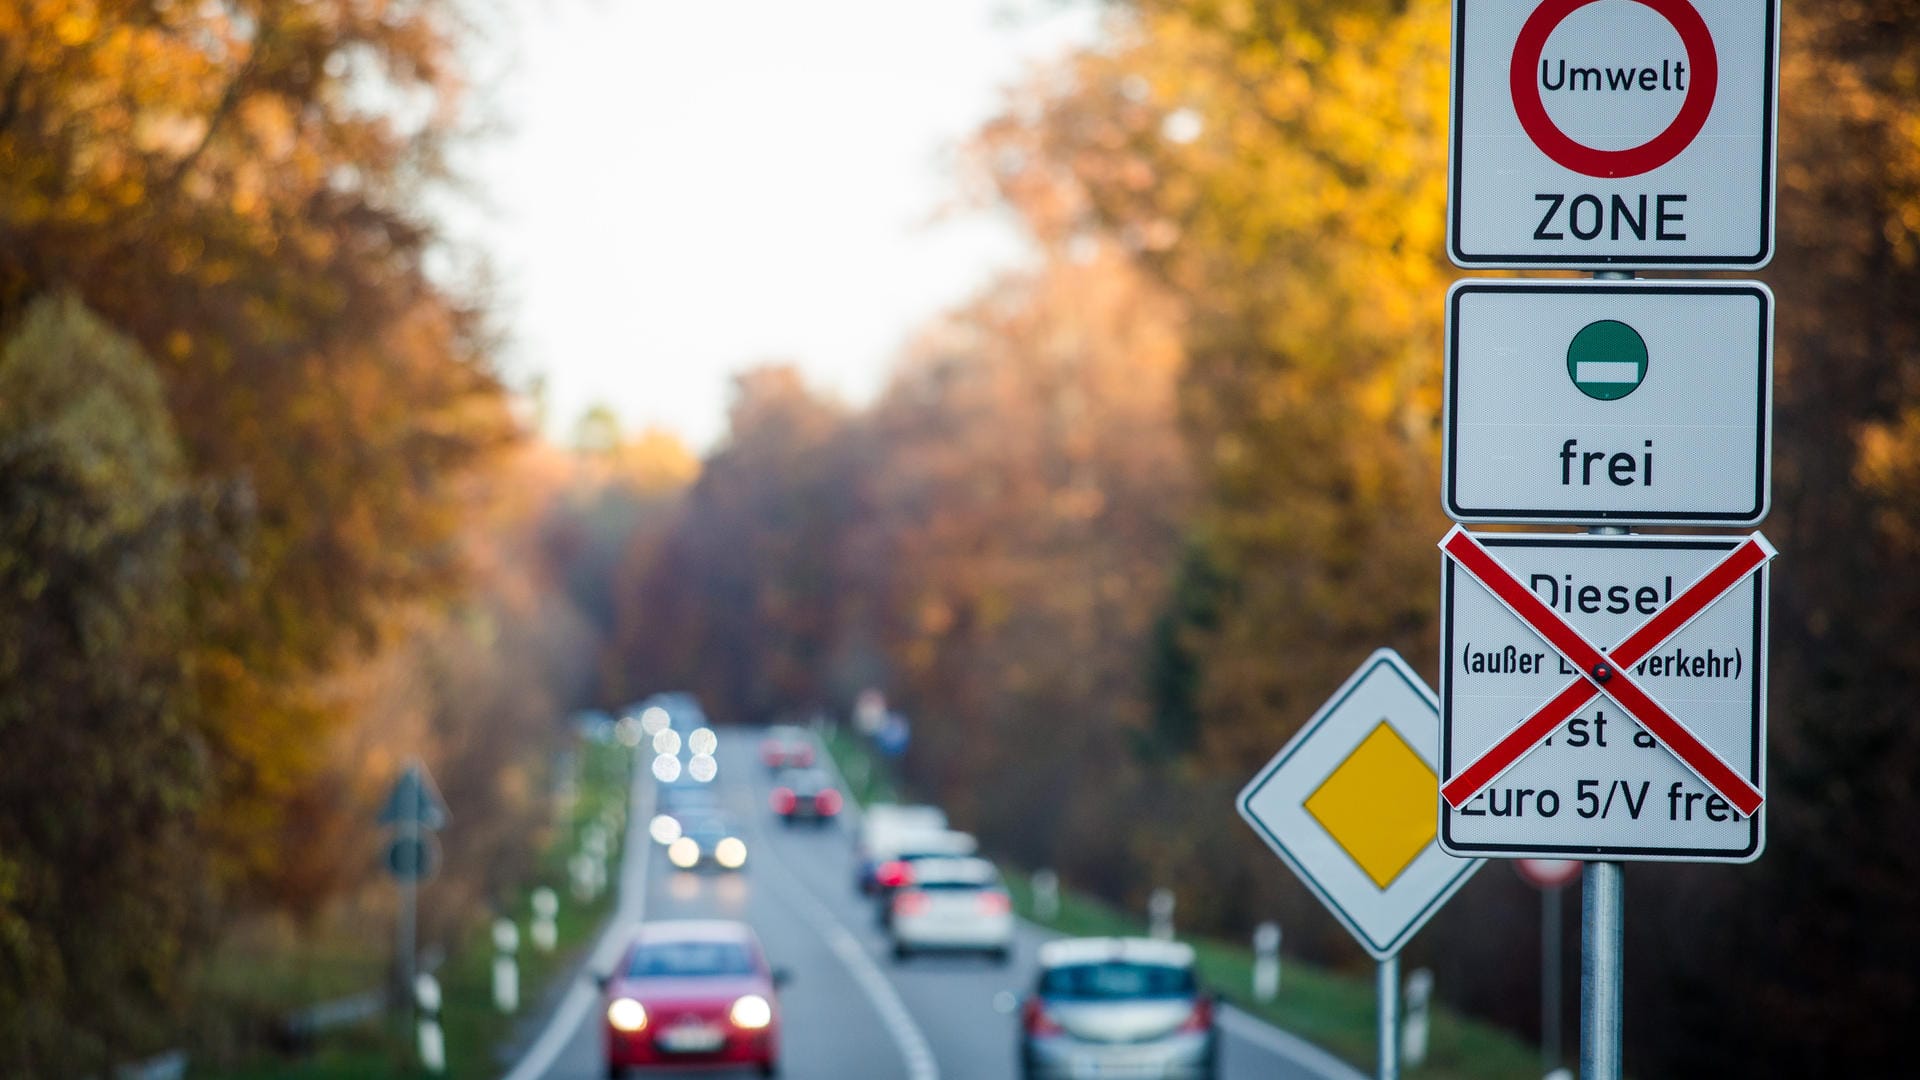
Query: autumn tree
[1280,168]
[103,769]
[1800,964]
[739,601]
[236,186]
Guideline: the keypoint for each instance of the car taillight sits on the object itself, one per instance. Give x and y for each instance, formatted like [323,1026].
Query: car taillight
[893,874]
[1035,1019]
[804,755]
[910,903]
[783,800]
[827,801]
[995,903]
[1201,1018]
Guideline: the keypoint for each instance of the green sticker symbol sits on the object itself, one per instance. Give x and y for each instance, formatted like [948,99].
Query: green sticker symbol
[1607,360]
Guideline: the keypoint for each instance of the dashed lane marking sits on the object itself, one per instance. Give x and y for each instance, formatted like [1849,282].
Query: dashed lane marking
[886,1001]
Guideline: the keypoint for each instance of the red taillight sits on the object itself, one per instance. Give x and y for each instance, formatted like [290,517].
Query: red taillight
[1201,1018]
[1034,1017]
[995,903]
[827,802]
[783,800]
[893,874]
[804,755]
[910,903]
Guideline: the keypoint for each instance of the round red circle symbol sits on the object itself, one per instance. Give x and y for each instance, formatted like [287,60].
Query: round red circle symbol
[1635,160]
[1547,873]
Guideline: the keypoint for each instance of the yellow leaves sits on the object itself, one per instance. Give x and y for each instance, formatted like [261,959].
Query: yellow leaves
[77,25]
[270,123]
[1887,469]
[167,132]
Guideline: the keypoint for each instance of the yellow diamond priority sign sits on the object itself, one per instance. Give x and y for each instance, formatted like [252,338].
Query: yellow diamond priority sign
[1351,804]
[1378,805]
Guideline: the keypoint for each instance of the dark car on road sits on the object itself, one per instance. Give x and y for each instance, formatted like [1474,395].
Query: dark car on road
[690,993]
[806,795]
[1117,1007]
[708,839]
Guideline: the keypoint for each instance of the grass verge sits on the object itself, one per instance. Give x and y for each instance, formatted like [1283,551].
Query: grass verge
[271,974]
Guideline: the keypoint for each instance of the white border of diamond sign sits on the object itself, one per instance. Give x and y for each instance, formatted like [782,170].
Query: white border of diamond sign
[1383,689]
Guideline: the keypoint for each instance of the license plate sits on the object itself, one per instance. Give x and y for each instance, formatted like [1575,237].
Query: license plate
[691,1039]
[1114,1065]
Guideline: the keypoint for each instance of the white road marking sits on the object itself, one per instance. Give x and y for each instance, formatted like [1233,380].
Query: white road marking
[584,995]
[1293,1047]
[893,1012]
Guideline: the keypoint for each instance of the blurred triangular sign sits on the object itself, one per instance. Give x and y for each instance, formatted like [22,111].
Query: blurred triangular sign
[415,800]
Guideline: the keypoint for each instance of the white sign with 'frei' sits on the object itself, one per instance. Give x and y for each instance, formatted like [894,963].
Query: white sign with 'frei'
[1608,402]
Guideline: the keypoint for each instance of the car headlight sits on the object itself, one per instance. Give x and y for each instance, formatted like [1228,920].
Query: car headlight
[626,1014]
[665,828]
[684,852]
[751,1012]
[730,853]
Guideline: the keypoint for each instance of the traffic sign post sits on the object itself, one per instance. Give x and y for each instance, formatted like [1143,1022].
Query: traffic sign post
[414,810]
[1348,803]
[1608,135]
[1651,748]
[1613,133]
[1643,403]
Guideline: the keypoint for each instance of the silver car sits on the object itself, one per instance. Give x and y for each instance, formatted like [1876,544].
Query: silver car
[1117,1007]
[952,905]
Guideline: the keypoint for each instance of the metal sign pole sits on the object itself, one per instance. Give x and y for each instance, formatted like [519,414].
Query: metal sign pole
[1550,979]
[1388,990]
[1602,937]
[408,830]
[1601,969]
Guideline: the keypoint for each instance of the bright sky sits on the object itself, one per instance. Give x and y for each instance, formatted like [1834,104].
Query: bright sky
[692,186]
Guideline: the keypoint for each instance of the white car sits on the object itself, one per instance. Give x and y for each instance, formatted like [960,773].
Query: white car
[952,905]
[1117,1007]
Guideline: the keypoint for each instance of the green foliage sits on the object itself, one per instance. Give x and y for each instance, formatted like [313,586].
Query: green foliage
[102,769]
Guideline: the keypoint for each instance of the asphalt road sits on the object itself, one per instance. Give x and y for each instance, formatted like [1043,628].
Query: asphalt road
[850,1012]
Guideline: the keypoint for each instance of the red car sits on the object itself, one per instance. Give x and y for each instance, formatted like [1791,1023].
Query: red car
[693,992]
[786,747]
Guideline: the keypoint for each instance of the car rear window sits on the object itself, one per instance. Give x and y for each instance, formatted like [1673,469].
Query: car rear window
[1116,979]
[686,958]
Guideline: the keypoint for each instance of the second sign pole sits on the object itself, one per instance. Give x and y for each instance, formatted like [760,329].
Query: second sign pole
[1388,990]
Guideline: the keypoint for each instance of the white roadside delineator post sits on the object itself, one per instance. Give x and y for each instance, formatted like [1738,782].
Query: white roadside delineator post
[544,931]
[580,871]
[1046,895]
[1160,914]
[1414,1029]
[506,969]
[432,1040]
[1266,961]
